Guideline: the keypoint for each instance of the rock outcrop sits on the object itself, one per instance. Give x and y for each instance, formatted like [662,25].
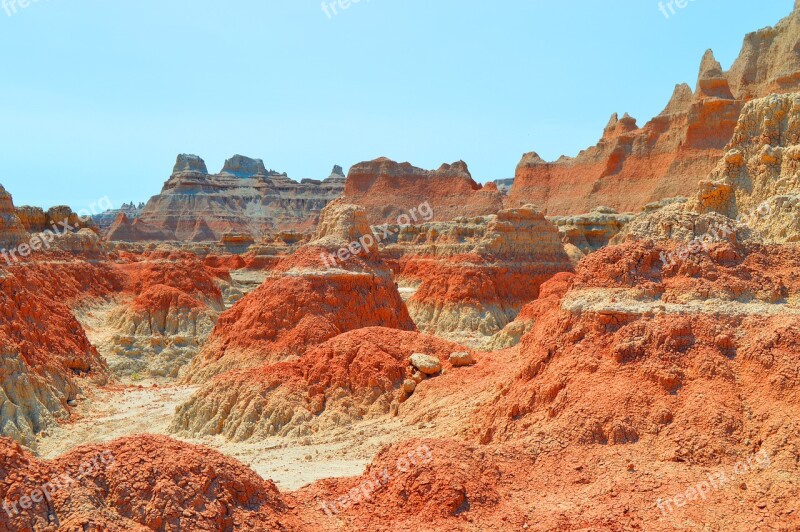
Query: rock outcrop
[631,167]
[589,232]
[165,485]
[353,376]
[308,298]
[389,191]
[46,358]
[244,197]
[468,278]
[12,230]
[105,219]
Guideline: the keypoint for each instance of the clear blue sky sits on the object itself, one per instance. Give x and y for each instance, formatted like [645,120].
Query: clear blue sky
[99,96]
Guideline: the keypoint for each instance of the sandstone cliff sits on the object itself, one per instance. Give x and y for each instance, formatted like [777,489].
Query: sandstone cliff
[631,166]
[244,197]
[388,190]
[12,231]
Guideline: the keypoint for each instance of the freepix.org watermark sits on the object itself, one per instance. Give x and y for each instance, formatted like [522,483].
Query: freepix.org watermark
[668,7]
[716,481]
[423,212]
[46,491]
[11,7]
[331,7]
[378,480]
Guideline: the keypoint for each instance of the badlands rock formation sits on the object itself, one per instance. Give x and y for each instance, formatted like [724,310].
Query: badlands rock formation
[12,231]
[388,190]
[471,276]
[353,376]
[112,488]
[104,219]
[307,299]
[244,197]
[633,166]
[625,374]
[586,233]
[174,307]
[46,357]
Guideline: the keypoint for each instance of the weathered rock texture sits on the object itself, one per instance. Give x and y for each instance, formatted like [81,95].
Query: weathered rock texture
[388,190]
[473,275]
[353,376]
[46,358]
[244,197]
[592,231]
[633,166]
[138,484]
[754,192]
[305,301]
[12,231]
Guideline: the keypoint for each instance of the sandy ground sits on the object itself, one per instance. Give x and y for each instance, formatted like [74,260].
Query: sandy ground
[115,412]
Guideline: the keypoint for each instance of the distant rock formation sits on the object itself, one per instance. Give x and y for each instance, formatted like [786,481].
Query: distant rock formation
[60,218]
[104,220]
[504,185]
[12,231]
[244,197]
[631,166]
[387,190]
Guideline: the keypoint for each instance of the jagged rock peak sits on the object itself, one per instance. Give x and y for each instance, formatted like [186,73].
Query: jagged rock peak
[712,82]
[337,170]
[190,163]
[617,126]
[532,157]
[680,101]
[241,166]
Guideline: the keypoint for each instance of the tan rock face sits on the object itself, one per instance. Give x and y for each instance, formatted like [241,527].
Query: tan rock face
[388,190]
[769,61]
[763,158]
[592,231]
[631,167]
[471,276]
[244,197]
[12,231]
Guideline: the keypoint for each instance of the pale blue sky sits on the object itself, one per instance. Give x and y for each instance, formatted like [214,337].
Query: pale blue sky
[97,97]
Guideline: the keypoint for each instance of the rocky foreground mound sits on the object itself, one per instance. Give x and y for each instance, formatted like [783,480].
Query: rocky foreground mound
[141,483]
[356,375]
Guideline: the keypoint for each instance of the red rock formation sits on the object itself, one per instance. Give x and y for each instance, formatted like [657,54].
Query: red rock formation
[354,375]
[308,298]
[139,483]
[46,359]
[631,167]
[388,190]
[472,276]
[298,308]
